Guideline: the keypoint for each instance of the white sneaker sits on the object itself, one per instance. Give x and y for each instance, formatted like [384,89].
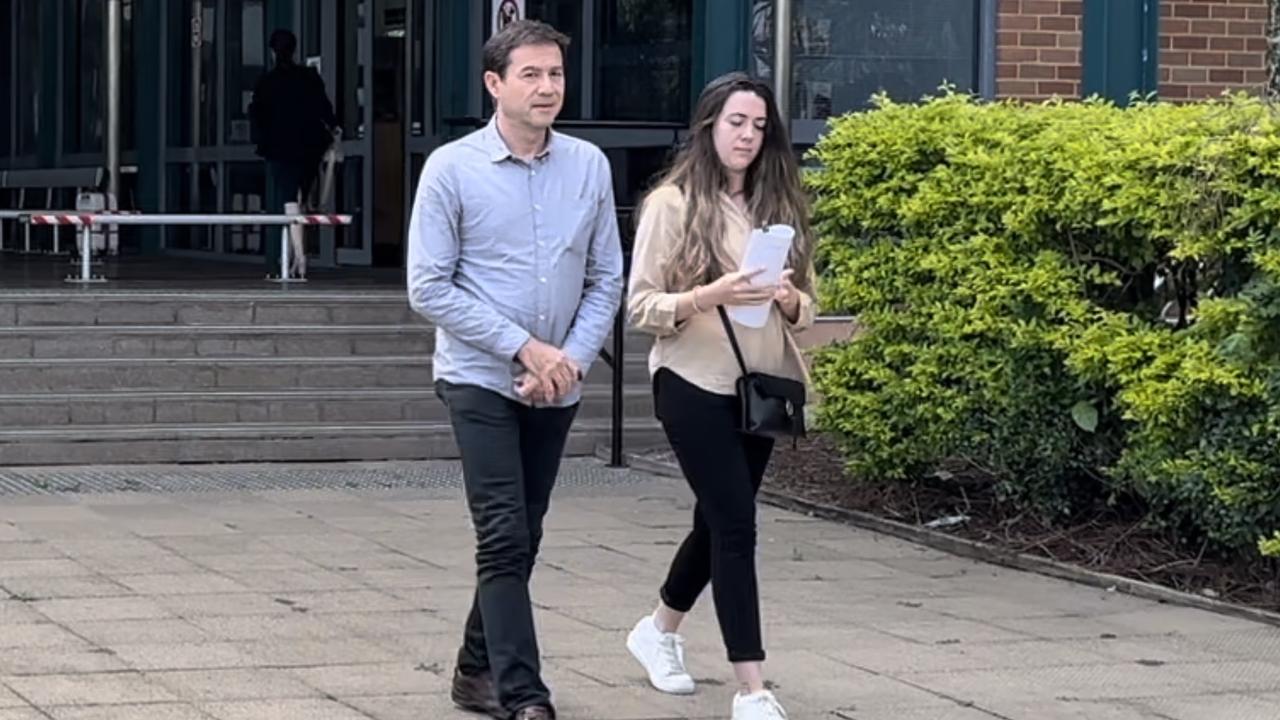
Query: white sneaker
[757,706]
[662,655]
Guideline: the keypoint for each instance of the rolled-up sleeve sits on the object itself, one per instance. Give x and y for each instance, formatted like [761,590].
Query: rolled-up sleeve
[650,307]
[602,285]
[434,246]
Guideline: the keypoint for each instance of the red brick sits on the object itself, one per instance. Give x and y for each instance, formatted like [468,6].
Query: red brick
[1007,39]
[1018,22]
[1198,92]
[1065,89]
[1011,7]
[1175,26]
[1069,72]
[1040,7]
[1175,92]
[1015,88]
[1190,75]
[1246,60]
[1227,43]
[1074,8]
[1179,59]
[1259,13]
[1036,39]
[1070,40]
[1006,70]
[1037,72]
[1247,29]
[1190,42]
[1017,54]
[1208,27]
[1203,59]
[1221,75]
[1191,10]
[1059,56]
[1059,24]
[1228,12]
[1256,44]
[1256,77]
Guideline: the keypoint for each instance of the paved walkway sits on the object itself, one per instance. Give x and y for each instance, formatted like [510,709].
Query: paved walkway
[344,603]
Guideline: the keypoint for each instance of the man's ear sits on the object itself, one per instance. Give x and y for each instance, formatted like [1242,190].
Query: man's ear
[491,82]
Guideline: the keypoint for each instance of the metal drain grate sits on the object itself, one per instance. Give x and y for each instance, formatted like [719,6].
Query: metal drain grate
[580,473]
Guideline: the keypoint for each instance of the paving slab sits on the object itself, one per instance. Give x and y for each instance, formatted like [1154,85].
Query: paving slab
[301,600]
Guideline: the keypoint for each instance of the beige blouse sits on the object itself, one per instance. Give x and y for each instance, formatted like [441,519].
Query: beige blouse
[698,349]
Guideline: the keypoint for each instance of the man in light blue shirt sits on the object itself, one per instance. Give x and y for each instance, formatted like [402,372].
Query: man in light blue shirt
[514,256]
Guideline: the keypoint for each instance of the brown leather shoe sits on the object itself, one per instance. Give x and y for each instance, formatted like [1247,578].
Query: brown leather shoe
[536,712]
[476,693]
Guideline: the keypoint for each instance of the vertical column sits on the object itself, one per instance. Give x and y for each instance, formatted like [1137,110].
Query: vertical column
[782,57]
[150,81]
[722,32]
[113,50]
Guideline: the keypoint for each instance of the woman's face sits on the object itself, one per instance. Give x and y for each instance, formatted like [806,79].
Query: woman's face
[739,130]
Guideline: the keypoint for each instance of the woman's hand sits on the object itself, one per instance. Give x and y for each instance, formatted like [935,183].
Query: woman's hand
[735,288]
[787,296]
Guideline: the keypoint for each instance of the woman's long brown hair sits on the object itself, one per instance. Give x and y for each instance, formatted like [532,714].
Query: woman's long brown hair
[773,189]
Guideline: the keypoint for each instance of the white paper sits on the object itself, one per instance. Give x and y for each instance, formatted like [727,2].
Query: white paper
[766,248]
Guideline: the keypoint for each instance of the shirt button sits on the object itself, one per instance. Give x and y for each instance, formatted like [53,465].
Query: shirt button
[542,317]
[538,208]
[542,280]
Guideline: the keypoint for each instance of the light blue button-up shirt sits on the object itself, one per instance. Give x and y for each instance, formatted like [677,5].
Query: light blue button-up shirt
[501,250]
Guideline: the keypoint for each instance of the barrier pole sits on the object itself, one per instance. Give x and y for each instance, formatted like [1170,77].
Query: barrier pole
[86,247]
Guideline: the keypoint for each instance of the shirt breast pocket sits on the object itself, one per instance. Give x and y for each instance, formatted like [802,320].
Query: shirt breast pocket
[572,221]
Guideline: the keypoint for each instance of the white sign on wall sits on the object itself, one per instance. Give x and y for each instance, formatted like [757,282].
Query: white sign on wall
[506,12]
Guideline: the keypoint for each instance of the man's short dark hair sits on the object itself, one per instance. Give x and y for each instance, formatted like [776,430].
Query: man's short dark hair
[498,49]
[283,42]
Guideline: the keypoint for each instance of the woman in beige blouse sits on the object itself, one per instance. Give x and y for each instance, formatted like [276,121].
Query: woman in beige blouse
[737,171]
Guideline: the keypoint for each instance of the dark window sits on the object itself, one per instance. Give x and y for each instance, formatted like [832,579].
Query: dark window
[565,16]
[193,72]
[844,53]
[6,77]
[86,76]
[643,60]
[246,62]
[30,75]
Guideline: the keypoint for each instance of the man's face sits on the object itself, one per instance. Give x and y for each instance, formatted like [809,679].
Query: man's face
[532,91]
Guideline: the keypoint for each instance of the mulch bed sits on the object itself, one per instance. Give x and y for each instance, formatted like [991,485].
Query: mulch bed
[1105,540]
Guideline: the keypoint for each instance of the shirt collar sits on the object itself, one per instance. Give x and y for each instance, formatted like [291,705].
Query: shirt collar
[497,147]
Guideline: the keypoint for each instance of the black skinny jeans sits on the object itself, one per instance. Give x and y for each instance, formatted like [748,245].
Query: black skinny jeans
[510,458]
[724,468]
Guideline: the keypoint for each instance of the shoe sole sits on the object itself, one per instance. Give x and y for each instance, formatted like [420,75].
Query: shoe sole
[631,648]
[478,709]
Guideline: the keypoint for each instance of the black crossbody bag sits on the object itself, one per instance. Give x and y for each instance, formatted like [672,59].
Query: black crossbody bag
[770,406]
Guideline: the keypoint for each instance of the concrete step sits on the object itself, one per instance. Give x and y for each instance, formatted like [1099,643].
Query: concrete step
[171,341]
[221,407]
[266,373]
[257,442]
[288,307]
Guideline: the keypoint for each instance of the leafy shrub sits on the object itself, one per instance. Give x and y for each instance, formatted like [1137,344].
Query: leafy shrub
[1073,302]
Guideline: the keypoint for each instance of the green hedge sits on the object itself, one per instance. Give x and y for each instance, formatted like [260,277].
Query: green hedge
[1073,302]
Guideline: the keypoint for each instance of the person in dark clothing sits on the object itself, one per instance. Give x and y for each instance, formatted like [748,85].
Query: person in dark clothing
[293,125]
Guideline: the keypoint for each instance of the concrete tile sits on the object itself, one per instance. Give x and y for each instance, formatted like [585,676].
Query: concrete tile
[222,605]
[310,653]
[345,681]
[28,550]
[115,632]
[266,627]
[98,609]
[409,707]
[202,686]
[1081,682]
[1221,706]
[182,656]
[76,657]
[92,689]
[346,601]
[156,711]
[53,588]
[302,709]
[256,562]
[378,624]
[180,584]
[292,580]
[13,612]
[35,635]
[41,568]
[9,700]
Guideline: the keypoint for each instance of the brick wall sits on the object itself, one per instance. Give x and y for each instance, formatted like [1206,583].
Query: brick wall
[1208,46]
[1038,46]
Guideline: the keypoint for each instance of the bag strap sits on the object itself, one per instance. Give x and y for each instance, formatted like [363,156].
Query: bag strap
[733,338]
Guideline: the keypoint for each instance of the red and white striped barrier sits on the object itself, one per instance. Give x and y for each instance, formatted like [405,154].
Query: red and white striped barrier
[90,220]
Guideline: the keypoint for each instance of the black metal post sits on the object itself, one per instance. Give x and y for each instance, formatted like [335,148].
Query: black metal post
[619,377]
